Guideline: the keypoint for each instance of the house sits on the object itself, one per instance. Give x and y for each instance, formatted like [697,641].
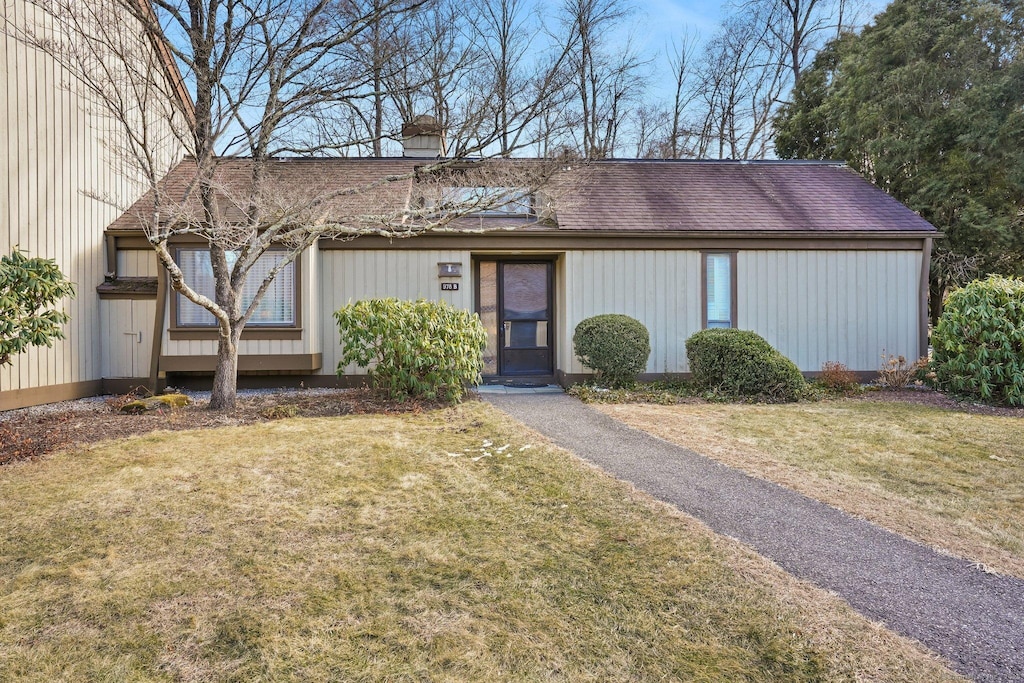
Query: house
[808,254]
[61,189]
[811,256]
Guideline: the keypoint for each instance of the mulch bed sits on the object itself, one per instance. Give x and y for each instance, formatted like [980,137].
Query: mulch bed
[32,432]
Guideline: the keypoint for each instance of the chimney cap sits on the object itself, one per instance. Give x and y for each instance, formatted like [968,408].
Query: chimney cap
[424,124]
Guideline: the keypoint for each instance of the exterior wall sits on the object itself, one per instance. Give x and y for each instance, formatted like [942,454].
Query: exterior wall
[817,306]
[659,288]
[813,305]
[56,161]
[137,263]
[352,275]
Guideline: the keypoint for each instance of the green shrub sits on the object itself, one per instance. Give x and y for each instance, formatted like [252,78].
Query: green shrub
[979,341]
[413,349]
[29,289]
[739,363]
[614,346]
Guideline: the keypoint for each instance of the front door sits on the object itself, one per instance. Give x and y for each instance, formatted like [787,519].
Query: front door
[514,302]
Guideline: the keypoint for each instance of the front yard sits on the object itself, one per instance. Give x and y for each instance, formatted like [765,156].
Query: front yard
[951,479]
[444,545]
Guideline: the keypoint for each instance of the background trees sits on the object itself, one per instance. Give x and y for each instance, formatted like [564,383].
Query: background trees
[928,104]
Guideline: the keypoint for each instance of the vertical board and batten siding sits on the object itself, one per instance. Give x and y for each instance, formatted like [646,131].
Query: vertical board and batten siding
[347,276]
[845,306]
[137,263]
[660,288]
[52,153]
[56,162]
[127,325]
[128,337]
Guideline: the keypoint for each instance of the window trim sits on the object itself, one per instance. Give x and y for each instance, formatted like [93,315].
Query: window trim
[252,330]
[733,298]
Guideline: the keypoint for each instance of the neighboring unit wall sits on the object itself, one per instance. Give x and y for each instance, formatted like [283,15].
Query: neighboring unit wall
[363,274]
[817,306]
[57,165]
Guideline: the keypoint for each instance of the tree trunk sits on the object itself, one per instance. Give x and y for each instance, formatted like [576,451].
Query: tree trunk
[936,295]
[225,377]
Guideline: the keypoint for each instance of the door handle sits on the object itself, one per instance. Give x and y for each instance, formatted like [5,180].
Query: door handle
[139,334]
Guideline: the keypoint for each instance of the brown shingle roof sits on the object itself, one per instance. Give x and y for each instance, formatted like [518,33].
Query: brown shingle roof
[621,195]
[710,196]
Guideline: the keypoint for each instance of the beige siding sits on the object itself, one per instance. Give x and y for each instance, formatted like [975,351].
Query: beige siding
[818,306]
[55,163]
[661,289]
[353,275]
[137,263]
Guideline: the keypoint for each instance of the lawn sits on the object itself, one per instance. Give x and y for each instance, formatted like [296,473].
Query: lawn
[950,479]
[446,546]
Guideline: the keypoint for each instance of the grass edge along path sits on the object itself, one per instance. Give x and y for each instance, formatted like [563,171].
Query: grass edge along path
[950,480]
[453,545]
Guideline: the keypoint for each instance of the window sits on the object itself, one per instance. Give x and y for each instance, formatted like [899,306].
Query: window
[719,289]
[501,201]
[277,308]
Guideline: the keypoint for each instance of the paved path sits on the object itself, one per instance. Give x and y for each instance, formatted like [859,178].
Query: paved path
[974,619]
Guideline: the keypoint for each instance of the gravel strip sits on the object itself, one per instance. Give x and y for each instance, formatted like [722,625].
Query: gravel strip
[974,619]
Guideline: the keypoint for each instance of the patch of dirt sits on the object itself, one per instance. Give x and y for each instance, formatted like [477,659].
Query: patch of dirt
[937,399]
[33,432]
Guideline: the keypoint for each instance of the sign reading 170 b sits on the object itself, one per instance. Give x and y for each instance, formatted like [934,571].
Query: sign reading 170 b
[449,286]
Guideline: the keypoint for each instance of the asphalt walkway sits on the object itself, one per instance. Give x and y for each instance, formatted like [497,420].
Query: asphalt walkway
[974,619]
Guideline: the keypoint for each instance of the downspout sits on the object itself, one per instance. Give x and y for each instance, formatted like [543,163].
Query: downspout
[158,326]
[922,315]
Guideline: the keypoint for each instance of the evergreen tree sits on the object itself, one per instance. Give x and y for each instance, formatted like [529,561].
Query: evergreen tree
[928,104]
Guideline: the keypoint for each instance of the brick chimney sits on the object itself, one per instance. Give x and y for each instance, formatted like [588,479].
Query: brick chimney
[423,138]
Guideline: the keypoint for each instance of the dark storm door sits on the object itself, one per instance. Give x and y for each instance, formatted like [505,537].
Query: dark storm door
[516,308]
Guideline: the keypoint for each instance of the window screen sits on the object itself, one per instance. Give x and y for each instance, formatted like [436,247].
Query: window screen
[719,290]
[277,307]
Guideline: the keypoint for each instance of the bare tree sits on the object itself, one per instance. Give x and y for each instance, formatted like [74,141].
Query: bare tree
[263,75]
[680,57]
[607,78]
[800,27]
[740,78]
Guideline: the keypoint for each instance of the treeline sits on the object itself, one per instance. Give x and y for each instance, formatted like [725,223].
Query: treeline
[541,79]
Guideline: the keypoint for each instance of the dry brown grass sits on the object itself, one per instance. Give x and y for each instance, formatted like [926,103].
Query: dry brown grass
[951,480]
[392,548]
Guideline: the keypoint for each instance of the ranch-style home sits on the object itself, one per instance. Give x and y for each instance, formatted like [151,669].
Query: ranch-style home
[811,256]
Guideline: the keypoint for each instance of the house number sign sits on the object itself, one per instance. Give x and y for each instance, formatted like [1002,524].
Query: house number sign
[449,286]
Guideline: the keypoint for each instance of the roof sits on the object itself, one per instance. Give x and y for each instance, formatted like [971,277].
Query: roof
[715,196]
[621,196]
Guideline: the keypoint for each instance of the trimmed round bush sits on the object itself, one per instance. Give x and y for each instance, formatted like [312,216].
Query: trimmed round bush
[978,345]
[741,364]
[614,346]
[413,349]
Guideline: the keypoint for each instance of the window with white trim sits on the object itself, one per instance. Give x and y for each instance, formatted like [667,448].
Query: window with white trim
[276,309]
[718,290]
